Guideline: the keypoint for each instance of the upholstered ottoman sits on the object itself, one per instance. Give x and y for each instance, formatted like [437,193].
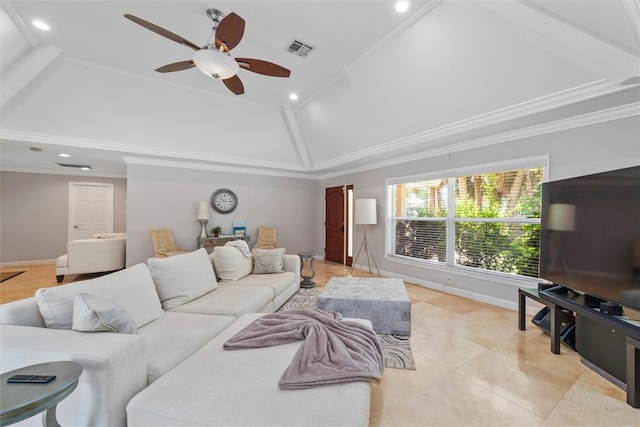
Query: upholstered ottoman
[383,301]
[216,387]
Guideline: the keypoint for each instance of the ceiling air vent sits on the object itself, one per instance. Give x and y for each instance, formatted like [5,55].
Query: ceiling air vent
[300,48]
[75,166]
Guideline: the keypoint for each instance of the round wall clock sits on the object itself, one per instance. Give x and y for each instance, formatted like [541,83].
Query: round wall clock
[223,201]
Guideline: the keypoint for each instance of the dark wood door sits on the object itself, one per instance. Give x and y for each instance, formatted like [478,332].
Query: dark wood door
[334,224]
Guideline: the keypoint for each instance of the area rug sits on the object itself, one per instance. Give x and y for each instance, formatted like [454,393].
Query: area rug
[8,275]
[396,349]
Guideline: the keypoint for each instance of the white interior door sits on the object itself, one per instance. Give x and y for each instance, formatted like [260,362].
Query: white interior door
[90,209]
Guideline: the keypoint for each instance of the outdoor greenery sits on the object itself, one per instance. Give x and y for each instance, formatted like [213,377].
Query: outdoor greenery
[487,232]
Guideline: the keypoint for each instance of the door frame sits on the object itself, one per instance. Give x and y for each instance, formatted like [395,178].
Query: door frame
[347,217]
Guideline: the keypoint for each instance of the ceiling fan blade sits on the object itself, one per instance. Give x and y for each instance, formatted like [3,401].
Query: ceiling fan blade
[159,30]
[234,84]
[229,31]
[176,66]
[263,67]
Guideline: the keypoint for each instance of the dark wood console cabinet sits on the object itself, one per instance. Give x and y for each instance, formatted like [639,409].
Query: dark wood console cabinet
[608,342]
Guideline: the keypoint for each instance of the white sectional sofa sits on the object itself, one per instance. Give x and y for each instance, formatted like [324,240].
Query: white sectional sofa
[174,363]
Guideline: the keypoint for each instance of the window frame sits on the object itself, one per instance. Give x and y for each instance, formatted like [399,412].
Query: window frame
[449,266]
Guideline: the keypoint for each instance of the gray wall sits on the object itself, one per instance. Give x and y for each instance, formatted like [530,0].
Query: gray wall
[580,151]
[165,197]
[34,214]
[34,207]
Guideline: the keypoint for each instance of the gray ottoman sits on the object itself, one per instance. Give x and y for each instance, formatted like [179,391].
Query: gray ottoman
[383,301]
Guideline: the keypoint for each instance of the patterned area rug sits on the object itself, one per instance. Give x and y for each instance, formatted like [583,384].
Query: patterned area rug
[8,275]
[396,350]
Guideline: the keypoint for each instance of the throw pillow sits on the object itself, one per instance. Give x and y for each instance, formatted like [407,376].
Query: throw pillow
[132,288]
[230,263]
[92,313]
[182,278]
[266,261]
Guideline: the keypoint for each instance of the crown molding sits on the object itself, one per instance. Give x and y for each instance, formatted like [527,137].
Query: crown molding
[296,133]
[148,151]
[607,115]
[69,172]
[539,105]
[194,165]
[22,27]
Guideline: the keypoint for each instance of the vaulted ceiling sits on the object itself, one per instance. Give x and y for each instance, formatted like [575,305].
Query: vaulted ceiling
[379,86]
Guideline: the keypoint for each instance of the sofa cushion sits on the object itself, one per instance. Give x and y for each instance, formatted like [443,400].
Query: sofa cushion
[230,263]
[241,389]
[183,277]
[175,336]
[266,261]
[277,282]
[132,288]
[92,313]
[231,300]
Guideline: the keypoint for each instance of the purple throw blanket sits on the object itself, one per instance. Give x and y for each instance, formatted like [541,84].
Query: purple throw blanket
[334,351]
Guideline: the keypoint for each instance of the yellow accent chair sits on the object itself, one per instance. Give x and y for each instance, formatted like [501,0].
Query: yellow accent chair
[163,243]
[266,238]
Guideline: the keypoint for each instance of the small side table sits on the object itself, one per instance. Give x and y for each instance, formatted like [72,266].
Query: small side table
[306,280]
[22,401]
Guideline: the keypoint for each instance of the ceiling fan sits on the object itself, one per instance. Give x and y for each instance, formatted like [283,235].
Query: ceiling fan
[213,59]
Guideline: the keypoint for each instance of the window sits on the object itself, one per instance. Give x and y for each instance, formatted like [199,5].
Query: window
[487,221]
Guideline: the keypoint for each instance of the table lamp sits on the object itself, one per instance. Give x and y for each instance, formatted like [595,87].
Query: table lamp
[203,217]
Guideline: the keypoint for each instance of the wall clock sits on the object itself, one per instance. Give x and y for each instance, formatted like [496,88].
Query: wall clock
[223,201]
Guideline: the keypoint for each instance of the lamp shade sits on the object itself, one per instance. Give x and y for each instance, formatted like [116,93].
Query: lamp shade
[562,217]
[215,64]
[365,211]
[203,211]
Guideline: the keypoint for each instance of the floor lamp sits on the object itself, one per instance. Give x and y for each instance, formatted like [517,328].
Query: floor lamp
[365,213]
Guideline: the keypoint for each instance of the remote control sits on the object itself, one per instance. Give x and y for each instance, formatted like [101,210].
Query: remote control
[31,379]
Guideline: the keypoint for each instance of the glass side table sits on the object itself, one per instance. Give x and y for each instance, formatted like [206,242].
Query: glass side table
[306,280]
[22,401]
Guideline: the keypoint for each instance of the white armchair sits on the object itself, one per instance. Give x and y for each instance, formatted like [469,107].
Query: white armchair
[104,252]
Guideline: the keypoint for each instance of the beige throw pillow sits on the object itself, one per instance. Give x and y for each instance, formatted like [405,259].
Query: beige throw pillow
[92,313]
[182,278]
[132,288]
[266,261]
[230,263]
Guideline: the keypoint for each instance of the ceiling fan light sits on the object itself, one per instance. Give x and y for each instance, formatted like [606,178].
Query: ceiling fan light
[215,64]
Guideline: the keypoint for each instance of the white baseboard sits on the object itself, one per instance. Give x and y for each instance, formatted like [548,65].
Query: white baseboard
[24,263]
[449,289]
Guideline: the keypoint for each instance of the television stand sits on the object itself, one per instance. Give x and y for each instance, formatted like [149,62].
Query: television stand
[556,312]
[612,343]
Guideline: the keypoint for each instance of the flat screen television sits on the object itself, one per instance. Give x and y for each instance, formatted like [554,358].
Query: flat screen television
[590,237]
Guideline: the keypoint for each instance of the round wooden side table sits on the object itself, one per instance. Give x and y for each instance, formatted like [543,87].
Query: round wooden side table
[21,401]
[306,280]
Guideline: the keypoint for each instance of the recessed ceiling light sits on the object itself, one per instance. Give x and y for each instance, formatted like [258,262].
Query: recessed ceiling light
[64,155]
[402,6]
[293,96]
[85,168]
[40,25]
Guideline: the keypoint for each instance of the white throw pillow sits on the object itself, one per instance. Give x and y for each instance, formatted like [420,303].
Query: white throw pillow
[267,261]
[92,313]
[230,263]
[182,278]
[132,288]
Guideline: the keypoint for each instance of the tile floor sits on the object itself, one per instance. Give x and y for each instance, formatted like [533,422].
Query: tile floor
[473,367]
